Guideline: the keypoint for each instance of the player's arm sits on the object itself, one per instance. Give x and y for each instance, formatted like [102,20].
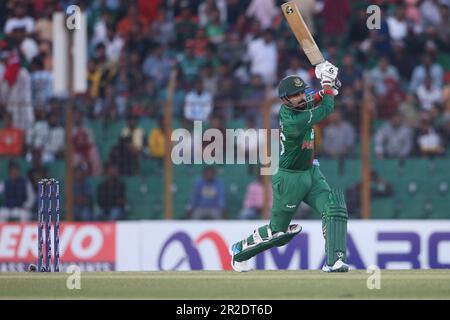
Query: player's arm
[317,97]
[326,73]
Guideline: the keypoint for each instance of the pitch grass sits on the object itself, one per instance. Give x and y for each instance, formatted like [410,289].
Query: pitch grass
[395,284]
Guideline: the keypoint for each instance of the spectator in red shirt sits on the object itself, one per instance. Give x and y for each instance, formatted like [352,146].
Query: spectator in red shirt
[11,138]
[336,14]
[125,25]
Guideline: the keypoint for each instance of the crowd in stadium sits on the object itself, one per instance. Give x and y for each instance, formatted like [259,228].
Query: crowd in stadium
[227,53]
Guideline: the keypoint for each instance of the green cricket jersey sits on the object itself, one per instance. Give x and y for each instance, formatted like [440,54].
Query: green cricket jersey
[297,133]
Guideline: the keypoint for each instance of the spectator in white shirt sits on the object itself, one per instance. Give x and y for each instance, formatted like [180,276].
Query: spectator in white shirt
[263,56]
[428,140]
[398,27]
[198,103]
[21,20]
[428,94]
[264,11]
[54,146]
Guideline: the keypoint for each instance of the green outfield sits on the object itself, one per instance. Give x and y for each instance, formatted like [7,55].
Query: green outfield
[404,284]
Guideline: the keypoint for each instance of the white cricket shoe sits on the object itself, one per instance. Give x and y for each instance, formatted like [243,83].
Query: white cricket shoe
[339,266]
[236,265]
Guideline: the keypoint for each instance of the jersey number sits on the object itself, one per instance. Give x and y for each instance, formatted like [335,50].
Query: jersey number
[282,139]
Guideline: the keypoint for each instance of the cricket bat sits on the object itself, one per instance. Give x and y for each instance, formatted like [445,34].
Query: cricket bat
[301,32]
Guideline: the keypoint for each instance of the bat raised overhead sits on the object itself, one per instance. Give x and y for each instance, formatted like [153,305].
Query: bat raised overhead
[301,32]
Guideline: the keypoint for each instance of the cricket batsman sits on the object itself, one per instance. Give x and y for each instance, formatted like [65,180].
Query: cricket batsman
[299,177]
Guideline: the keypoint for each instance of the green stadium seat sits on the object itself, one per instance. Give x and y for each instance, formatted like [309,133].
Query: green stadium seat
[384,208]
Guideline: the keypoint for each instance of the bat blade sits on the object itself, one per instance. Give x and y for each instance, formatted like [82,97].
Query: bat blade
[301,32]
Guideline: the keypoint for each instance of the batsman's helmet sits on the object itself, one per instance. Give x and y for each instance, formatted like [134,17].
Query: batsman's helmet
[289,86]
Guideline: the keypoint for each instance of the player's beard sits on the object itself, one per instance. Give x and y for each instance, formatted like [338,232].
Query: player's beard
[299,106]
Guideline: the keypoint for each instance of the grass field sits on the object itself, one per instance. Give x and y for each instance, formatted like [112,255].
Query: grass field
[404,284]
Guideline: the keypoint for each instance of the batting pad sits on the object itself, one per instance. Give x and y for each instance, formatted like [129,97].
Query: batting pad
[336,227]
[262,239]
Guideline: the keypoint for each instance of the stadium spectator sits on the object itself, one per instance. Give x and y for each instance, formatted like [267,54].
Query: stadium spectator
[189,63]
[335,16]
[263,56]
[409,111]
[206,10]
[252,96]
[41,83]
[157,67]
[398,25]
[185,26]
[134,132]
[133,18]
[430,12]
[28,46]
[84,147]
[210,79]
[44,24]
[382,72]
[113,45]
[349,74]
[412,12]
[125,157]
[338,137]
[37,171]
[11,139]
[37,134]
[428,94]
[358,31]
[402,59]
[198,103]
[215,29]
[254,199]
[162,28]
[157,142]
[394,139]
[15,89]
[18,197]
[82,196]
[208,198]
[443,36]
[420,72]
[297,67]
[388,102]
[20,19]
[349,108]
[264,11]
[232,49]
[226,98]
[428,140]
[53,145]
[111,195]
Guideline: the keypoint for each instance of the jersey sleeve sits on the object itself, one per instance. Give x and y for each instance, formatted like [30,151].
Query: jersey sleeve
[315,115]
